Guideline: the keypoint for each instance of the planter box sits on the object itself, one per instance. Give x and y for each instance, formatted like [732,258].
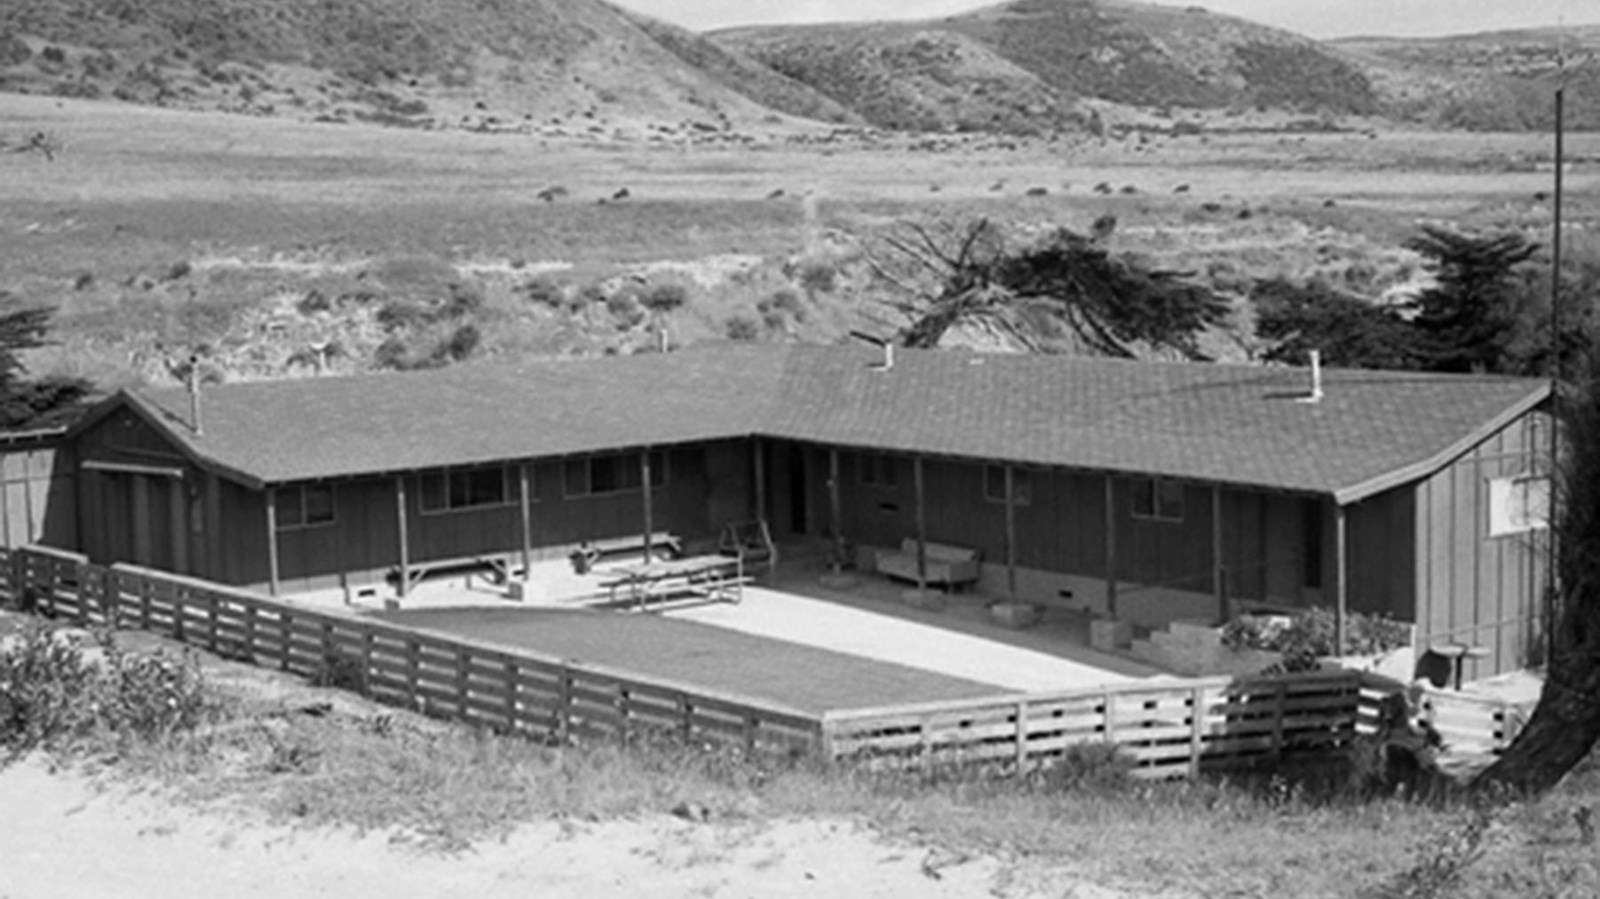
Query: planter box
[1016,615]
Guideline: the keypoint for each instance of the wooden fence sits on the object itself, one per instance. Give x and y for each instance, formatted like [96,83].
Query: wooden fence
[504,688]
[1170,728]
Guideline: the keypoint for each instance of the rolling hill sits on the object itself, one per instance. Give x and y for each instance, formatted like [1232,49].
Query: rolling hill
[1491,81]
[495,64]
[1041,57]
[586,67]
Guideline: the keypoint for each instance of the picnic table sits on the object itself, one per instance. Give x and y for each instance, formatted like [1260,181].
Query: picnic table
[715,577]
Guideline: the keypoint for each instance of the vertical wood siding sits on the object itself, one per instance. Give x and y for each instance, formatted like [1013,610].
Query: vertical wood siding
[1473,588]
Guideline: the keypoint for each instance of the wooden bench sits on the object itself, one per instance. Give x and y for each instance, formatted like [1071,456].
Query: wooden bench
[592,551]
[950,566]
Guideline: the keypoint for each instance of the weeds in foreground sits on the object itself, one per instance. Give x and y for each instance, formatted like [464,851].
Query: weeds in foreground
[304,759]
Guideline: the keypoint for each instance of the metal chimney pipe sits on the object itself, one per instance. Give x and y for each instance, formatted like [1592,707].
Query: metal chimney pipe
[194,394]
[1316,375]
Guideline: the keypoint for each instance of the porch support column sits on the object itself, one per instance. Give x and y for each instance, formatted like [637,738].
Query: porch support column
[525,498]
[403,534]
[649,510]
[216,564]
[1011,533]
[759,468]
[835,513]
[1111,550]
[178,510]
[1341,554]
[272,540]
[1219,574]
[922,523]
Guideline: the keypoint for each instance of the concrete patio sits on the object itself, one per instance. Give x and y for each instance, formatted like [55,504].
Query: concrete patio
[861,615]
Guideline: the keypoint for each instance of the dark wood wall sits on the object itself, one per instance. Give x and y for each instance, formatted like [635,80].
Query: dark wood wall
[1062,528]
[707,486]
[1472,587]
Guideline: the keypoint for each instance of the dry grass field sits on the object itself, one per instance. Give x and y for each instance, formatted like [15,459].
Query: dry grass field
[158,231]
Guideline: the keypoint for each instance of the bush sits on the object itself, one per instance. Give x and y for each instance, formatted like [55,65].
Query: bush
[545,291]
[1095,767]
[59,688]
[665,297]
[1310,635]
[742,327]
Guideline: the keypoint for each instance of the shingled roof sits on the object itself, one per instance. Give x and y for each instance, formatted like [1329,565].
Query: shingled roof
[1240,425]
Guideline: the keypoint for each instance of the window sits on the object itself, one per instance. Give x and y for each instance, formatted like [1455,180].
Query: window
[465,488]
[878,470]
[1158,499]
[304,506]
[994,484]
[1518,504]
[599,475]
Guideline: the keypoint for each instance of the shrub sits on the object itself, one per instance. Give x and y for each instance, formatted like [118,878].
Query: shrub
[464,299]
[545,291]
[1094,767]
[625,308]
[60,688]
[1310,635]
[665,297]
[742,327]
[818,277]
[460,344]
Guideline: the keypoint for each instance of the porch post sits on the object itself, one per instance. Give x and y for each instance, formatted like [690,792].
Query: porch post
[1111,551]
[649,511]
[1011,533]
[1341,563]
[272,540]
[1219,574]
[835,514]
[760,472]
[525,497]
[179,513]
[922,524]
[216,563]
[404,534]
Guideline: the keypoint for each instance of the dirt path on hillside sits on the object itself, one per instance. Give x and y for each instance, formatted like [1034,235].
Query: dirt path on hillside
[65,835]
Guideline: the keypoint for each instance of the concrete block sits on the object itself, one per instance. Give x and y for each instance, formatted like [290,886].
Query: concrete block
[1109,634]
[927,600]
[1016,615]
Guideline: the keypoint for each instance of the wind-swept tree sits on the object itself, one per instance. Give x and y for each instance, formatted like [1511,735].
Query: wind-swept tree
[28,403]
[1062,283]
[1349,331]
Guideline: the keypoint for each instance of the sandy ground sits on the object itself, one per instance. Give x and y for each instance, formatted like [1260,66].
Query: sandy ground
[65,835]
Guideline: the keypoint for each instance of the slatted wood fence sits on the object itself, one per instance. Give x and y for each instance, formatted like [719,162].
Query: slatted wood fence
[505,688]
[1171,728]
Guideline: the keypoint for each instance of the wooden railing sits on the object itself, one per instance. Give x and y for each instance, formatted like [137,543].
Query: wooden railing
[1170,728]
[500,687]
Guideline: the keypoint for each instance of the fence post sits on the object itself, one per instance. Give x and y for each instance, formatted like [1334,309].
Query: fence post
[513,687]
[750,725]
[1110,724]
[211,620]
[1280,698]
[413,650]
[686,709]
[1022,737]
[563,722]
[463,683]
[1196,728]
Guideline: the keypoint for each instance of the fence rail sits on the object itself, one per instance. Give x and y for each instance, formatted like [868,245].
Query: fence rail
[501,687]
[1170,728]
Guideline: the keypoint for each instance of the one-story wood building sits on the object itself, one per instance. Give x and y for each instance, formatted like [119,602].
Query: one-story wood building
[1147,491]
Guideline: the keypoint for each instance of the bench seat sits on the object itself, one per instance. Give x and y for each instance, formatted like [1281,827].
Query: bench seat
[950,566]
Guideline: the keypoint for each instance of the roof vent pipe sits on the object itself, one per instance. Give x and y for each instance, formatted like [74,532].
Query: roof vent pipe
[194,394]
[886,344]
[1316,375]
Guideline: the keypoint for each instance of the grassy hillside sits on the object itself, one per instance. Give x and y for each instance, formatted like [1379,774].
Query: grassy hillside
[909,77]
[1020,65]
[492,65]
[1490,81]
